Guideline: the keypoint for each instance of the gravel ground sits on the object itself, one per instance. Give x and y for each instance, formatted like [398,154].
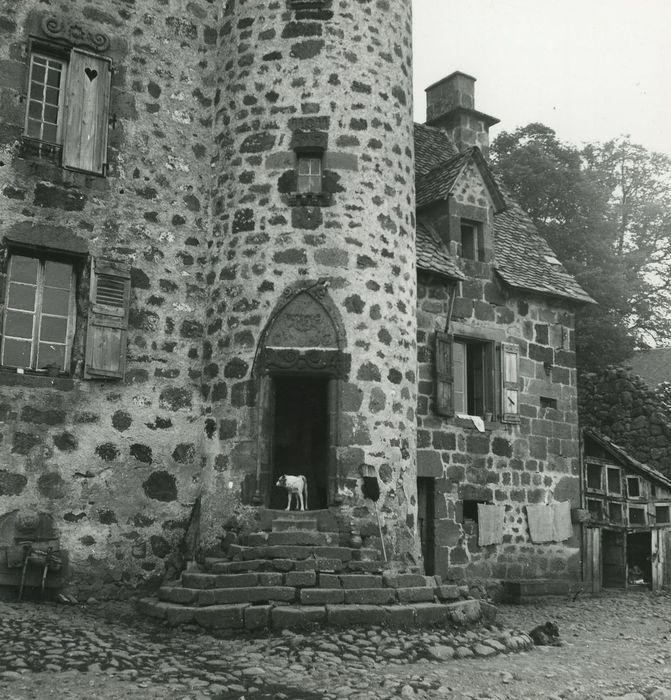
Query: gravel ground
[614,646]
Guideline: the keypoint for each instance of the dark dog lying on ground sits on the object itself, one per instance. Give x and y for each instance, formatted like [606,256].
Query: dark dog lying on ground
[546,635]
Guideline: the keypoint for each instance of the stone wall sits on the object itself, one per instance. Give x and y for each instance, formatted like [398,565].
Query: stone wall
[209,103]
[508,464]
[335,75]
[117,464]
[620,405]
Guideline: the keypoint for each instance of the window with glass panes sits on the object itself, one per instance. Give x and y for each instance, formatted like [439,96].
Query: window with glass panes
[39,313]
[45,99]
[309,173]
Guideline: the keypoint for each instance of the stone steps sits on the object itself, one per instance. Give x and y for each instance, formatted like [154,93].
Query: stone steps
[247,616]
[295,573]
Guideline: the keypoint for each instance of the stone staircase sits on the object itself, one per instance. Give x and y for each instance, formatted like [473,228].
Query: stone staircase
[297,573]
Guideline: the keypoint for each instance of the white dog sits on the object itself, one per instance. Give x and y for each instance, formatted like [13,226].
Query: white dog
[295,486]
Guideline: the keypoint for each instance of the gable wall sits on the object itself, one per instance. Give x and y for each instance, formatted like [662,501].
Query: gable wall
[509,465]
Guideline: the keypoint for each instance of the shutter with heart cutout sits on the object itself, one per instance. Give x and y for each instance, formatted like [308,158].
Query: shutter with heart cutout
[108,320]
[86,112]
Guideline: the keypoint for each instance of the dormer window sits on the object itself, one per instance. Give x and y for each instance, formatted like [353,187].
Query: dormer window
[309,172]
[472,240]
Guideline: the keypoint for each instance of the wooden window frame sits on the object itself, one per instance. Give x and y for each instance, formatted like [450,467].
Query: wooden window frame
[615,504]
[609,491]
[49,58]
[455,373]
[590,488]
[639,487]
[641,509]
[39,313]
[311,182]
[474,230]
[659,506]
[84,104]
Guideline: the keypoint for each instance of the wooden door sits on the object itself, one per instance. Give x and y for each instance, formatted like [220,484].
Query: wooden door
[657,558]
[614,569]
[592,559]
[666,567]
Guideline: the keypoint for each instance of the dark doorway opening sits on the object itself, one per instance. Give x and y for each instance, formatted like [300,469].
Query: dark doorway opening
[614,569]
[300,437]
[639,564]
[426,493]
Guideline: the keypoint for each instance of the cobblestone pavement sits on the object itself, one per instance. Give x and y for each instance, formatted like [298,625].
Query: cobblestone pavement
[614,646]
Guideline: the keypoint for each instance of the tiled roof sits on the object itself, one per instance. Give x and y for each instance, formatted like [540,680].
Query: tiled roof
[432,254]
[607,444]
[652,366]
[432,147]
[438,182]
[523,258]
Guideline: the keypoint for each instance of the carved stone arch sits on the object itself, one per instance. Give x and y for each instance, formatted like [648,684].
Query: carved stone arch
[305,332]
[300,367]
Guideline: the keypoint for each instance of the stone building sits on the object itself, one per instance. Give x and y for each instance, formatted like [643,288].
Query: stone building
[228,254]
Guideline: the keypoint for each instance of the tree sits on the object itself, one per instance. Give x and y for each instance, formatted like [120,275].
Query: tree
[604,209]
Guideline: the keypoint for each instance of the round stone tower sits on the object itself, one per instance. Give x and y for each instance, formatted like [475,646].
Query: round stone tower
[310,355]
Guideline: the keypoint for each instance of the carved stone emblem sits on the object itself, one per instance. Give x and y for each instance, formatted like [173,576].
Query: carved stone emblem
[303,323]
[75,33]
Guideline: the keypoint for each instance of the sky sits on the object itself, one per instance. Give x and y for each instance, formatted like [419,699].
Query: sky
[591,70]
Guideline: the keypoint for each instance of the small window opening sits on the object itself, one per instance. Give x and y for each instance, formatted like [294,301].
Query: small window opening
[595,508]
[653,490]
[595,477]
[615,512]
[309,173]
[662,514]
[470,511]
[547,402]
[636,516]
[614,484]
[633,487]
[472,245]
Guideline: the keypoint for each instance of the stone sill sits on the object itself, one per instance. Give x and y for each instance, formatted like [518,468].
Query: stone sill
[489,425]
[35,380]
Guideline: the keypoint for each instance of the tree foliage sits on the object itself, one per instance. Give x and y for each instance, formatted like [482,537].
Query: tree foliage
[605,209]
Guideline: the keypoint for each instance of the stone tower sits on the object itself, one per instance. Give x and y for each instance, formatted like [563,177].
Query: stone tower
[310,328]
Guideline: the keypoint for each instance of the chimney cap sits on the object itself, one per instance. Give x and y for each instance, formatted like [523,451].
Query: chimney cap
[451,76]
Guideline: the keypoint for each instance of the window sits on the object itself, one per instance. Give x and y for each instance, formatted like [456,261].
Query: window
[595,477]
[633,487]
[477,378]
[44,116]
[39,319]
[636,515]
[470,511]
[614,483]
[662,515]
[40,315]
[67,107]
[309,173]
[472,243]
[595,508]
[615,512]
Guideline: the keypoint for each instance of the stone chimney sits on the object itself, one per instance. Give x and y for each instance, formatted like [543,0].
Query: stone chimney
[450,105]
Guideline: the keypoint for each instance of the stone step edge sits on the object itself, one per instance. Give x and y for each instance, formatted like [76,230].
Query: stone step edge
[320,564]
[313,578]
[243,616]
[200,597]
[301,551]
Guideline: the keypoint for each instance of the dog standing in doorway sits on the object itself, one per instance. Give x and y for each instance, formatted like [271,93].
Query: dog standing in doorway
[296,486]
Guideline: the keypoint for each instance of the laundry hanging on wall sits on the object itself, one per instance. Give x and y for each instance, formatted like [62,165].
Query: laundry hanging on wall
[490,524]
[550,523]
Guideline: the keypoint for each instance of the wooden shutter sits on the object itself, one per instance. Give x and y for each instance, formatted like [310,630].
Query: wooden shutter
[86,112]
[510,409]
[444,374]
[108,320]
